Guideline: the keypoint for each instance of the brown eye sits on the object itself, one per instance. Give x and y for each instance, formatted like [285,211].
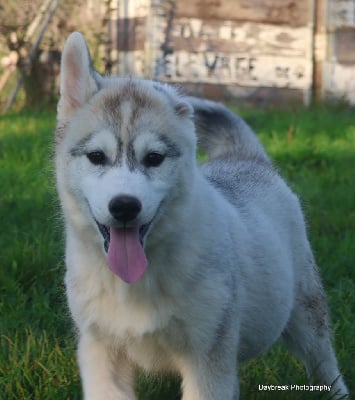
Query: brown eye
[153,159]
[97,157]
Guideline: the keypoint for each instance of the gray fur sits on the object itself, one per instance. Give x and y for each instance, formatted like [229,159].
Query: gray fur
[230,269]
[223,134]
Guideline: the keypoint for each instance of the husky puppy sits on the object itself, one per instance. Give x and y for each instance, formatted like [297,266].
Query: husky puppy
[172,266]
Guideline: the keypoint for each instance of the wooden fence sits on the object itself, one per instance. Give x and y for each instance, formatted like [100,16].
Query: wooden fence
[262,50]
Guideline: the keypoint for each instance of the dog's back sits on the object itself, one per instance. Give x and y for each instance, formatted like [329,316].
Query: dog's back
[240,169]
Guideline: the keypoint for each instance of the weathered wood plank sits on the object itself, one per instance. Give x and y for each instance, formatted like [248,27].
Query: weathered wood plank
[340,81]
[290,12]
[256,96]
[341,13]
[131,63]
[345,46]
[213,67]
[275,44]
[196,35]
[129,34]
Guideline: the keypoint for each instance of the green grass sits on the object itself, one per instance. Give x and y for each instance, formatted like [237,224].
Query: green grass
[313,149]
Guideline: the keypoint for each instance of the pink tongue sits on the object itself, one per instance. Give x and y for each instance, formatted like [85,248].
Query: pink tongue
[126,257]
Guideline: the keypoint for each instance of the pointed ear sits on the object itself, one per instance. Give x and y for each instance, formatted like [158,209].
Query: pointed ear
[78,79]
[184,109]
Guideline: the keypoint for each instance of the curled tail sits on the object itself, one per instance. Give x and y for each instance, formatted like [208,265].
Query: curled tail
[223,134]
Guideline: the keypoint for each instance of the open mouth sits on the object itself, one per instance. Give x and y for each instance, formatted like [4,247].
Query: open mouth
[125,252]
[105,232]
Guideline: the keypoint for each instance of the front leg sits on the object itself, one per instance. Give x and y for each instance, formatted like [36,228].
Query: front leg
[105,373]
[210,380]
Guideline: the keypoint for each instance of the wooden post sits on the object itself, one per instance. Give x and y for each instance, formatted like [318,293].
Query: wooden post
[319,47]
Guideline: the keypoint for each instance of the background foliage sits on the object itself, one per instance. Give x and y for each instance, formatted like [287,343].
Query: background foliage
[36,58]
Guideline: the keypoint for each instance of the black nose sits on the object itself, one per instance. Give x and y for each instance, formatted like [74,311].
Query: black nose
[124,208]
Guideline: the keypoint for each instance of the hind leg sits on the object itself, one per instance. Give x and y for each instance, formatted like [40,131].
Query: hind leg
[307,336]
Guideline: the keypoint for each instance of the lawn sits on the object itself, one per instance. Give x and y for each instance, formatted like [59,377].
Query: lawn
[314,150]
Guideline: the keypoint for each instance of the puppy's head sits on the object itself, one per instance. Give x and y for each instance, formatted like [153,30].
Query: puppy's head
[125,151]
